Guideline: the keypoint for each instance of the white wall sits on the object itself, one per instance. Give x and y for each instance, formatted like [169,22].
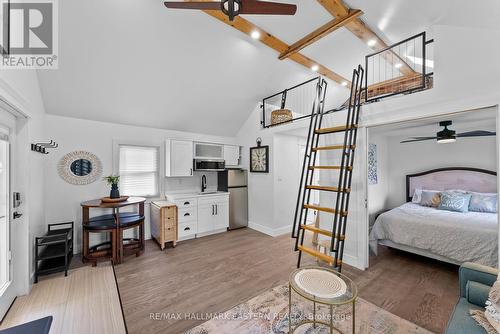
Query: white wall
[404,159]
[378,193]
[62,200]
[288,167]
[20,89]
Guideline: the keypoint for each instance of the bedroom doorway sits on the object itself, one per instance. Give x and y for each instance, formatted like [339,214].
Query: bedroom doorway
[398,150]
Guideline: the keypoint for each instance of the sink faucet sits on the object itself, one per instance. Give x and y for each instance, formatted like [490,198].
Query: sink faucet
[203,183]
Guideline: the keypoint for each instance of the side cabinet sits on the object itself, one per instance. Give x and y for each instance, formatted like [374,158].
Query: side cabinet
[178,158]
[164,223]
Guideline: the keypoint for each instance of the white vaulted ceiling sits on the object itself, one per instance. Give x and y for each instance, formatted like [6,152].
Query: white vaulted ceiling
[136,62]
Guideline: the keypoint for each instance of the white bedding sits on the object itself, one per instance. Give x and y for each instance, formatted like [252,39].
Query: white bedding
[462,237]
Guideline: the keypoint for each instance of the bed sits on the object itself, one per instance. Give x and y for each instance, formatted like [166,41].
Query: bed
[447,236]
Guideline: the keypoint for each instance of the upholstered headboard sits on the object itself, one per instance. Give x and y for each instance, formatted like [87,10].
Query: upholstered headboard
[464,178]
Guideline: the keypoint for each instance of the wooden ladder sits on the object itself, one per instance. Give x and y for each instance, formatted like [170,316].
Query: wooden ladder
[339,210]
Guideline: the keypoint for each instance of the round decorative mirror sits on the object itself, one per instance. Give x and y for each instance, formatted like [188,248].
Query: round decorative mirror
[80,167]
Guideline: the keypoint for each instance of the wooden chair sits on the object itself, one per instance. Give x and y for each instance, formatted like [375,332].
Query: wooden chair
[104,250]
[127,221]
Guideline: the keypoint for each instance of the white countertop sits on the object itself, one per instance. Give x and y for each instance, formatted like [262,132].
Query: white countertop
[181,195]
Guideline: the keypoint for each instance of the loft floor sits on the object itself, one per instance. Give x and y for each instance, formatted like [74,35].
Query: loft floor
[215,273]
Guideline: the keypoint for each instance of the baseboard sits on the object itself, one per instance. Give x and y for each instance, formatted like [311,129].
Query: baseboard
[273,232]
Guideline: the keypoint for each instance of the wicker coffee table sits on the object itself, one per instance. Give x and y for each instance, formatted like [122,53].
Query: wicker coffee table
[321,286]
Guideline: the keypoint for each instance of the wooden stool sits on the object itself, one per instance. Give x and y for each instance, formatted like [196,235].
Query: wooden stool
[126,221]
[105,250]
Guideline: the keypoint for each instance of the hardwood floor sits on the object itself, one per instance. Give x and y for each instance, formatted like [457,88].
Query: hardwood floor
[86,301]
[216,273]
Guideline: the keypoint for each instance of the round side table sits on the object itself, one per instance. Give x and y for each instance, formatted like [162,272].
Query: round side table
[323,286]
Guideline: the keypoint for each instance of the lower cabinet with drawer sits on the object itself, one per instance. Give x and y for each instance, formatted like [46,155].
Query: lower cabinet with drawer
[164,226]
[201,215]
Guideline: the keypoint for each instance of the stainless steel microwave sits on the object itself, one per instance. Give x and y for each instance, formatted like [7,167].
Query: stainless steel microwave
[214,165]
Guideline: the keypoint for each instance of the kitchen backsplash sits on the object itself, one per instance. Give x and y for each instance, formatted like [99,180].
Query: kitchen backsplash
[191,183]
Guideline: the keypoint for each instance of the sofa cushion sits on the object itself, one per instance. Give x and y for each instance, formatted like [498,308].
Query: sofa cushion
[461,322]
[477,293]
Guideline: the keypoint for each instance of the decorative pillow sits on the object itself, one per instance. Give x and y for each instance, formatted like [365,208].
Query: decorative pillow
[490,319]
[430,198]
[480,202]
[417,196]
[454,201]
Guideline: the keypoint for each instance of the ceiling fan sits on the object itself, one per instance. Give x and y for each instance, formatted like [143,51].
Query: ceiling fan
[233,8]
[450,136]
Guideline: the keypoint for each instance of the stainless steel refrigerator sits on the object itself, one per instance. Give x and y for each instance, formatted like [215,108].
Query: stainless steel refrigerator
[235,181]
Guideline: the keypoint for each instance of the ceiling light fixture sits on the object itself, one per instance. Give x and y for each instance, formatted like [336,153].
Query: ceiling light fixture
[344,83]
[315,68]
[371,42]
[255,34]
[446,135]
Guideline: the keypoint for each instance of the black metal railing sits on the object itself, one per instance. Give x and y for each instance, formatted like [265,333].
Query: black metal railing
[291,104]
[398,69]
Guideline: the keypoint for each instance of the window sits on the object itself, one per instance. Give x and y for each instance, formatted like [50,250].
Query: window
[139,170]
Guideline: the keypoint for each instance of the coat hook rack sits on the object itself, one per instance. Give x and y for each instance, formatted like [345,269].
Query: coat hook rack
[42,147]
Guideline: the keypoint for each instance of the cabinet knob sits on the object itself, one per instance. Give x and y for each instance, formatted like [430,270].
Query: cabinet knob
[186,203]
[187,228]
[187,214]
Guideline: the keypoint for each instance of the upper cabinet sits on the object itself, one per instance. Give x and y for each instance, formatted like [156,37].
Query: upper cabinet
[208,151]
[179,158]
[232,155]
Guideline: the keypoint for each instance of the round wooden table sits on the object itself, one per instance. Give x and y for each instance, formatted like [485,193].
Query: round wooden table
[98,204]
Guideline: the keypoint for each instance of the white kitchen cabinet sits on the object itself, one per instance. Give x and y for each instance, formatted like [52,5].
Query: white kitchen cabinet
[221,213]
[232,155]
[213,214]
[179,158]
[206,210]
[208,151]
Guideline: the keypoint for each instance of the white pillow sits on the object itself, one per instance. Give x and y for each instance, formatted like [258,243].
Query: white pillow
[417,196]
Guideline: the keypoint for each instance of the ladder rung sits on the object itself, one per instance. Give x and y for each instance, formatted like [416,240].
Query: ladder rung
[321,208]
[330,167]
[321,231]
[319,255]
[333,147]
[335,129]
[335,189]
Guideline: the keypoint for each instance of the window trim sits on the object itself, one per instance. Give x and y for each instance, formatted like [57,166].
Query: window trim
[160,145]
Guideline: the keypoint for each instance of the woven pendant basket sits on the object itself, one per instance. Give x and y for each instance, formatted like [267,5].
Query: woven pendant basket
[281,116]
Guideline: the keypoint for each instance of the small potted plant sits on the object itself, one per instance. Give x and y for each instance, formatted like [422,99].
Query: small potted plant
[113,181]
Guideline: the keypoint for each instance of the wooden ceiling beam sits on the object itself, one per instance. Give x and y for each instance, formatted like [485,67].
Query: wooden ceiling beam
[337,8]
[321,32]
[276,44]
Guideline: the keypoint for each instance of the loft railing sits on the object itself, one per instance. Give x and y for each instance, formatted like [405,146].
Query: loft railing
[401,68]
[291,104]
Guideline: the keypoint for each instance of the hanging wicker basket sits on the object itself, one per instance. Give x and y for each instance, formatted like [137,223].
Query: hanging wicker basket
[281,116]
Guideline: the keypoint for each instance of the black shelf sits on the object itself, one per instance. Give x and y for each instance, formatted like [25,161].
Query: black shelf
[54,250]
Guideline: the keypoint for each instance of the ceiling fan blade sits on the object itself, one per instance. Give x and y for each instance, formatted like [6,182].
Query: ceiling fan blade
[267,8]
[417,139]
[193,5]
[478,133]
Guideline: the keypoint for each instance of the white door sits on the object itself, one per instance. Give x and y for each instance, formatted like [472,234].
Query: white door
[181,158]
[8,288]
[206,212]
[221,214]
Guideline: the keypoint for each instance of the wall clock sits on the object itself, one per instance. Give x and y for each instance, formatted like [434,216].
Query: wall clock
[259,158]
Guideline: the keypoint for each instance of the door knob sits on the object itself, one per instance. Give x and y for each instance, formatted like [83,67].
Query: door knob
[17,215]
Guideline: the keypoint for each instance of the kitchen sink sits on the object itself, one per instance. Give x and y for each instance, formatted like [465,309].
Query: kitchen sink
[208,193]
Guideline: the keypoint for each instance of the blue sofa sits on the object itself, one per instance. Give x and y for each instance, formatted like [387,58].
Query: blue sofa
[475,283]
